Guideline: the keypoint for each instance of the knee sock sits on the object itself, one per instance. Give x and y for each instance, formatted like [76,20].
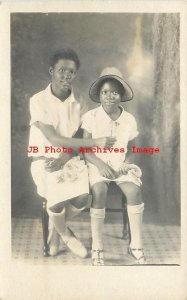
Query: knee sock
[59,222]
[97,224]
[53,234]
[135,214]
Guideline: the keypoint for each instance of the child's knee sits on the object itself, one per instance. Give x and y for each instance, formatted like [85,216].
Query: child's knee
[57,208]
[100,189]
[133,194]
[99,194]
[81,201]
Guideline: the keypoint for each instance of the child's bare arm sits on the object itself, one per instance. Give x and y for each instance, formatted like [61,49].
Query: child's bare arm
[59,141]
[55,164]
[130,158]
[104,169]
[129,162]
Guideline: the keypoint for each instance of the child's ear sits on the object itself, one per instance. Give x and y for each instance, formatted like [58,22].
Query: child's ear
[51,71]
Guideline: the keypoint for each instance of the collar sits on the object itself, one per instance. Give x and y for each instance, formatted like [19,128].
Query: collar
[49,94]
[106,118]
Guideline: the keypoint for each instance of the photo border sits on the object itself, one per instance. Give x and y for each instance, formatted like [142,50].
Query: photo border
[20,280]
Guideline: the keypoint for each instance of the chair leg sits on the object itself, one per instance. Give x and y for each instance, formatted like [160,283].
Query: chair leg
[129,230]
[126,228]
[45,222]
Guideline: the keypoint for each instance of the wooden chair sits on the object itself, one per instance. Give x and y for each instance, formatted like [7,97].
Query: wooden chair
[126,233]
[45,221]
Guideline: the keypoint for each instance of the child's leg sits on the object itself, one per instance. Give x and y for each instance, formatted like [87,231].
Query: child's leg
[135,208]
[56,214]
[72,208]
[58,217]
[76,206]
[97,213]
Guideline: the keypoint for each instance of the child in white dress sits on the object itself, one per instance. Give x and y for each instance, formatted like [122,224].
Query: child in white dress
[110,119]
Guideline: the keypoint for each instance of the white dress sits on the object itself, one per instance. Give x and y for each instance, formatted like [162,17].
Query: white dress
[99,124]
[72,181]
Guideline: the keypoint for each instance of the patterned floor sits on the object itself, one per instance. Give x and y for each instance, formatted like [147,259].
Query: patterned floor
[161,243]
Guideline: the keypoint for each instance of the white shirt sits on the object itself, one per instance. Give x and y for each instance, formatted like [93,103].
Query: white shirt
[99,124]
[48,109]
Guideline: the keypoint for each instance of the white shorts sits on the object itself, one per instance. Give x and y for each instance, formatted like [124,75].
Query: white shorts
[95,177]
[59,186]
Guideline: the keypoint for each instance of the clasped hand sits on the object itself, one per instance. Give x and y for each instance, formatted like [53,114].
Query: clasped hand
[108,172]
[53,164]
[134,169]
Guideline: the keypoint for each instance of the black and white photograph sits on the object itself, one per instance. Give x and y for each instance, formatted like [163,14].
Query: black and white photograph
[95,145]
[104,177]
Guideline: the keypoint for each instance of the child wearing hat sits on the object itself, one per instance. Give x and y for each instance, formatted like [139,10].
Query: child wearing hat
[110,119]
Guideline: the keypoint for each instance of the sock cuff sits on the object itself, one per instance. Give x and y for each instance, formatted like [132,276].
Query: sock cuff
[51,213]
[75,209]
[98,213]
[135,209]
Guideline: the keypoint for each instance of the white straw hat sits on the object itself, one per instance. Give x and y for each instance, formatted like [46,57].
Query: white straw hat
[107,73]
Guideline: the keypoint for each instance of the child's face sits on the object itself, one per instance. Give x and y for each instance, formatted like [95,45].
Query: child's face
[109,96]
[63,73]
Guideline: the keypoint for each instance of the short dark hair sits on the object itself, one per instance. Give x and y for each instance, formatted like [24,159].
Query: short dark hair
[117,84]
[65,53]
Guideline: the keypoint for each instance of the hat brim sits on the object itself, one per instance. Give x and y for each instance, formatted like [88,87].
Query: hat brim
[94,95]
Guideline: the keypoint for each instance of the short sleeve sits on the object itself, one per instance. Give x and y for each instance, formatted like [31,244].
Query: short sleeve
[39,112]
[87,122]
[133,129]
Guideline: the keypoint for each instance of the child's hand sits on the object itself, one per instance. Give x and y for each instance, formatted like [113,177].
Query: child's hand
[134,169]
[106,171]
[53,164]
